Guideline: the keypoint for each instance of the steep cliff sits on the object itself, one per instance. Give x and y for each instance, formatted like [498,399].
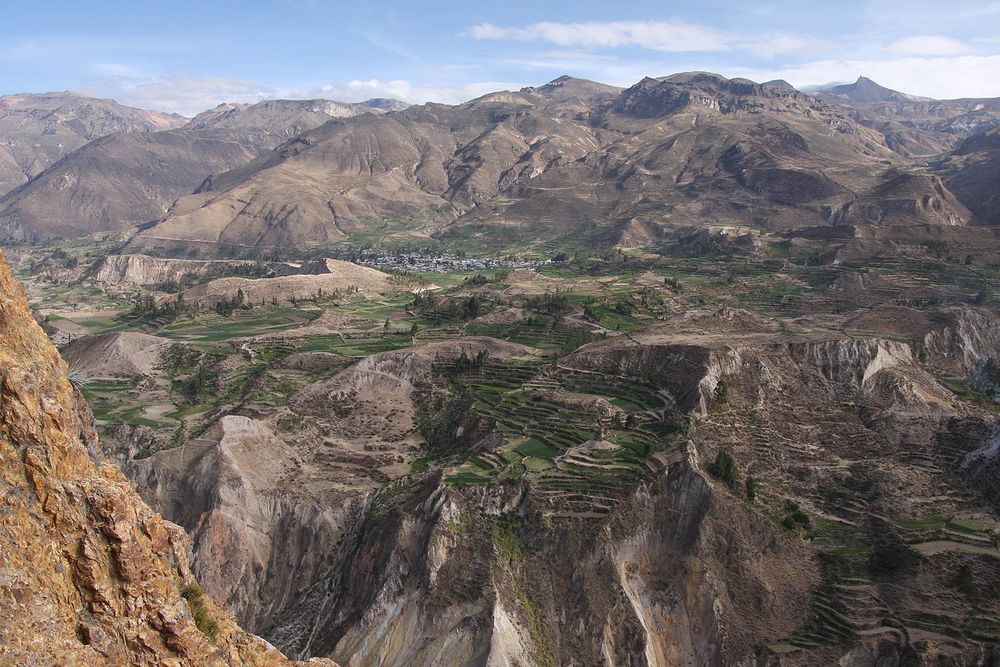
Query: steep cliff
[88,573]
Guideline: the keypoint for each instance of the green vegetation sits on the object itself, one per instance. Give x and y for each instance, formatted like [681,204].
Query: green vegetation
[794,517]
[544,656]
[506,540]
[438,420]
[577,339]
[724,467]
[199,610]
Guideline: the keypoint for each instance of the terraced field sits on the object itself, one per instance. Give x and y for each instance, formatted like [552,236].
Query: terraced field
[579,458]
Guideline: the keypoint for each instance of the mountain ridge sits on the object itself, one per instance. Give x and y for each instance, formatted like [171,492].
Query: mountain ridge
[772,148]
[38,129]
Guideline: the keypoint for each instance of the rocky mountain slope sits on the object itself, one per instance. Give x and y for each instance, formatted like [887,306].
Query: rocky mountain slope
[570,160]
[286,118]
[972,172]
[129,179]
[914,126]
[37,130]
[122,180]
[88,573]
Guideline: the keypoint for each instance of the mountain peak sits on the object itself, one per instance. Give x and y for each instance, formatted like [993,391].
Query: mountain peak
[866,90]
[780,84]
[386,104]
[569,85]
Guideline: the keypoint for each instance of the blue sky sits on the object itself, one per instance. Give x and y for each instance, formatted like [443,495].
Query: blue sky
[188,56]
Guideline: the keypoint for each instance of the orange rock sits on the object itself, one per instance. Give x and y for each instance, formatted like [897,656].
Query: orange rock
[89,575]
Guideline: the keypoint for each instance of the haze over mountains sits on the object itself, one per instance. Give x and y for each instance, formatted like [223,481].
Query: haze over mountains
[37,130]
[571,159]
[128,178]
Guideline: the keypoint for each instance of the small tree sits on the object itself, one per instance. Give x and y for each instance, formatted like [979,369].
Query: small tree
[751,488]
[724,467]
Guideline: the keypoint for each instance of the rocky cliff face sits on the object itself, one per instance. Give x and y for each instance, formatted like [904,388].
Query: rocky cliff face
[477,577]
[88,573]
[125,271]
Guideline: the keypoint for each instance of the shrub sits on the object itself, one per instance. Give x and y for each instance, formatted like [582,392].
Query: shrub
[199,611]
[507,542]
[724,467]
[964,580]
[438,420]
[795,517]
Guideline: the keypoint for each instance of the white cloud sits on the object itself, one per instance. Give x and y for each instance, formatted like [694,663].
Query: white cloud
[780,45]
[663,36]
[187,94]
[191,94]
[669,36]
[930,77]
[928,45]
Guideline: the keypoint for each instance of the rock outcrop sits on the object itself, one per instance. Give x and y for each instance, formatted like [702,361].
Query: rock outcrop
[88,573]
[125,271]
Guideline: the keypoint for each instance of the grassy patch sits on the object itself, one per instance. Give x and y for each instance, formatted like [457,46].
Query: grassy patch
[199,610]
[535,448]
[536,464]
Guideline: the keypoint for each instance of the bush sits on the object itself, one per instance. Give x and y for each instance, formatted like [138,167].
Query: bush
[199,611]
[438,420]
[506,540]
[964,580]
[795,517]
[724,467]
[751,489]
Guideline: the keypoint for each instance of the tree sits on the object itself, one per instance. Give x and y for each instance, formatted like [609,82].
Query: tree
[751,488]
[724,467]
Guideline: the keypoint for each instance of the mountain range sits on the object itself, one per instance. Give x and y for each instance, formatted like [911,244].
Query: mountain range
[128,178]
[572,160]
[36,131]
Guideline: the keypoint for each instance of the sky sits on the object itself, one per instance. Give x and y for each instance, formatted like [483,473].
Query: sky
[185,57]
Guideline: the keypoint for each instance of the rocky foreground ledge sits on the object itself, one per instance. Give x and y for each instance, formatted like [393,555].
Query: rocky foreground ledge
[89,574]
